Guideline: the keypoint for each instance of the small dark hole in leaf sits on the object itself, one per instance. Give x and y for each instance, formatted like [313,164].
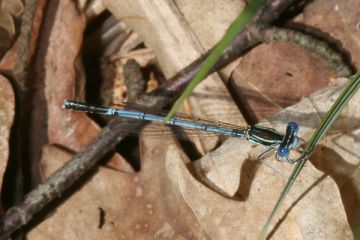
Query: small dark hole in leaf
[101,218]
[289,74]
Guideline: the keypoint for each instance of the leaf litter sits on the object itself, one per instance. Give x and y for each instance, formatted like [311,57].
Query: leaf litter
[225,195]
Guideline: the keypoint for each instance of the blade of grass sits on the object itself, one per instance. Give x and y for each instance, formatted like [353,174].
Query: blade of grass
[238,25]
[326,123]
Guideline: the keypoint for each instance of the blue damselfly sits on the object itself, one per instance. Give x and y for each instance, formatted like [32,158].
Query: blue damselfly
[281,143]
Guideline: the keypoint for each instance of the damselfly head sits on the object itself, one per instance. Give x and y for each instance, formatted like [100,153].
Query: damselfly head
[293,127]
[282,152]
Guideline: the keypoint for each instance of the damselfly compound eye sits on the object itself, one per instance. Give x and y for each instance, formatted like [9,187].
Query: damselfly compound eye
[282,152]
[293,126]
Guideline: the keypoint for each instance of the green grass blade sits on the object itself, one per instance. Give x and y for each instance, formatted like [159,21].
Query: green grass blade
[238,25]
[326,122]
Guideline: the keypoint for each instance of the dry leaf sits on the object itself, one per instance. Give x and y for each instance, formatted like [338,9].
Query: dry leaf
[164,27]
[8,10]
[314,208]
[340,21]
[273,76]
[94,8]
[113,205]
[7,103]
[63,78]
[8,61]
[305,217]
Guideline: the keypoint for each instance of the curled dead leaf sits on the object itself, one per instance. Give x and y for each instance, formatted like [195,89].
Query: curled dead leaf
[113,205]
[7,103]
[9,10]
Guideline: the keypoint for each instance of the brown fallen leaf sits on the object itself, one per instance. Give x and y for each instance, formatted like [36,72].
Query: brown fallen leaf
[305,217]
[176,44]
[340,21]
[314,209]
[175,51]
[274,76]
[63,78]
[7,103]
[209,23]
[11,58]
[113,205]
[9,10]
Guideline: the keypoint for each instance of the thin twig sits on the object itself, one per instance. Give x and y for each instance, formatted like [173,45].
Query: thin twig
[309,43]
[134,81]
[25,39]
[19,145]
